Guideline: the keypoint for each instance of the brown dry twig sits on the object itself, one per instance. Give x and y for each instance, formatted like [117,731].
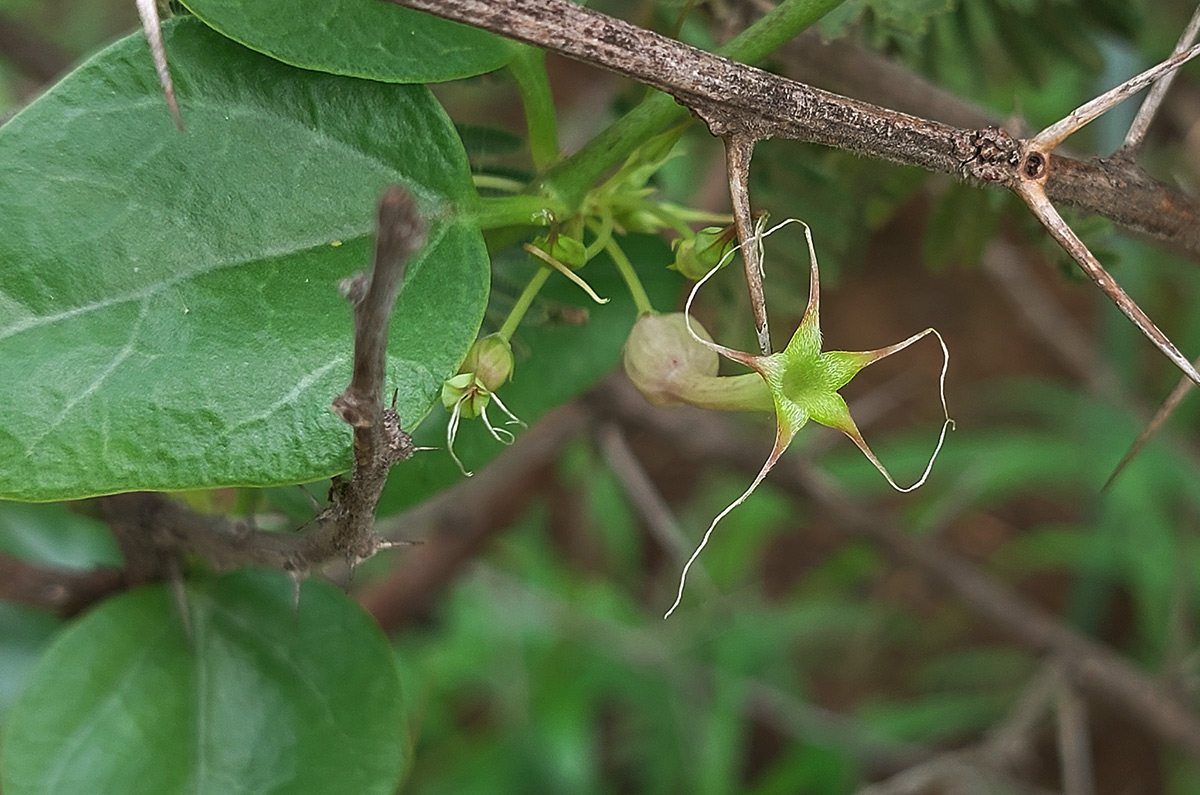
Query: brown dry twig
[1074,741]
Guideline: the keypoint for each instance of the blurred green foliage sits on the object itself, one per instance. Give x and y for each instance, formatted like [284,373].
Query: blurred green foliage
[539,672]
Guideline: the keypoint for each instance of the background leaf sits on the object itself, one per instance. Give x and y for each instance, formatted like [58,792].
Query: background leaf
[56,536]
[359,38]
[263,698]
[24,636]
[169,316]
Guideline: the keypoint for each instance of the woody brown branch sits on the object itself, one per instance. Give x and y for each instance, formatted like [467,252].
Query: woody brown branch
[63,592]
[734,98]
[379,441]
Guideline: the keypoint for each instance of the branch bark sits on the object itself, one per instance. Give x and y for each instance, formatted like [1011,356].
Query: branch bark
[64,592]
[733,98]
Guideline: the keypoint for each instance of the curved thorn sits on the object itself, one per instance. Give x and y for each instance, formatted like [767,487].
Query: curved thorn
[1164,411]
[1035,197]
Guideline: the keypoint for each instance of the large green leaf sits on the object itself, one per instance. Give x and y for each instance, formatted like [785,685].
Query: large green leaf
[360,38]
[169,314]
[262,698]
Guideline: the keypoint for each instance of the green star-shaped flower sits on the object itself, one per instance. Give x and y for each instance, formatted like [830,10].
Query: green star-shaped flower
[803,382]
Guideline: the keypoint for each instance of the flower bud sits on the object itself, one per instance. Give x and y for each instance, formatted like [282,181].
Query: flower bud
[662,358]
[697,255]
[567,250]
[491,360]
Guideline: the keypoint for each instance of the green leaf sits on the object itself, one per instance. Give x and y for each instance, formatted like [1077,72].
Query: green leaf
[358,38]
[56,536]
[938,717]
[263,698]
[24,635]
[169,314]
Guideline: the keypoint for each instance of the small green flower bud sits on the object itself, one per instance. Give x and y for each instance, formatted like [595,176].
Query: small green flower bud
[696,256]
[567,250]
[647,159]
[491,360]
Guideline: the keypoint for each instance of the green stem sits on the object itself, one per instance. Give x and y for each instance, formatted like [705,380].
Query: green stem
[748,392]
[666,218]
[603,232]
[571,179]
[776,29]
[493,182]
[523,303]
[529,70]
[495,212]
[640,299]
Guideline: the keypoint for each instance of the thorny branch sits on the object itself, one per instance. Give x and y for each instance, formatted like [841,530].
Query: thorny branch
[733,97]
[64,592]
[379,441]
[742,104]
